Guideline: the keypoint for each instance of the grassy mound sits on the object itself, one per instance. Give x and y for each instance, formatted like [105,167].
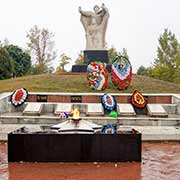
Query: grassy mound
[69,82]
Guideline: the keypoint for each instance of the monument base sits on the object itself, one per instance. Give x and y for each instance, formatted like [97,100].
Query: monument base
[96,55]
[91,56]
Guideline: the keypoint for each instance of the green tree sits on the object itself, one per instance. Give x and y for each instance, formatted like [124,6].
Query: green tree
[159,71]
[176,75]
[6,64]
[80,59]
[124,53]
[21,60]
[166,66]
[64,60]
[112,53]
[143,71]
[41,45]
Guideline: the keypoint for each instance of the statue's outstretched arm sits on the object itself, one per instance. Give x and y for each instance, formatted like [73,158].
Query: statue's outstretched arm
[105,10]
[85,13]
[105,17]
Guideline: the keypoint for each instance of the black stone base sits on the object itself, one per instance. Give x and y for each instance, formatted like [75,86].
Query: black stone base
[83,68]
[96,55]
[79,68]
[48,147]
[91,56]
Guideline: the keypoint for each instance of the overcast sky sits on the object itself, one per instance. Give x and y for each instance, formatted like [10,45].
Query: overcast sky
[134,25]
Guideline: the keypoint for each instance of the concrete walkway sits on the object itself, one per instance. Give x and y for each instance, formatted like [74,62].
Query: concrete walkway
[149,133]
[159,133]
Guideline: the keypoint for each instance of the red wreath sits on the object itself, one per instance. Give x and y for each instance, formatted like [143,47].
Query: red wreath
[138,100]
[19,96]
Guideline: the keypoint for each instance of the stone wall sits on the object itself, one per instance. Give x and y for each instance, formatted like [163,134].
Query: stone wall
[96,97]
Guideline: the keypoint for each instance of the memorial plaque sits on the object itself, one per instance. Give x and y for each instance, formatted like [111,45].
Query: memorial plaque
[41,98]
[76,99]
[96,55]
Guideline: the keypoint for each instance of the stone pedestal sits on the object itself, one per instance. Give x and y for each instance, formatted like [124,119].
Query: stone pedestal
[90,56]
[79,68]
[96,55]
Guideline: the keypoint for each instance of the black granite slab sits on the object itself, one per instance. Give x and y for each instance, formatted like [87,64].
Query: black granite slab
[49,147]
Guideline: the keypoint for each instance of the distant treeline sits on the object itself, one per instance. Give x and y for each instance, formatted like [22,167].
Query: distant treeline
[166,66]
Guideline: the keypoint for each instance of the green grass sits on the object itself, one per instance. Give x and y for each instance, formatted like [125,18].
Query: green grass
[68,82]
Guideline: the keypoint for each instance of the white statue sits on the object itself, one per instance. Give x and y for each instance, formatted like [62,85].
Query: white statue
[95,25]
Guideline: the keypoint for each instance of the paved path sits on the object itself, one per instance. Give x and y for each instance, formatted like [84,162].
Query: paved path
[149,133]
[159,133]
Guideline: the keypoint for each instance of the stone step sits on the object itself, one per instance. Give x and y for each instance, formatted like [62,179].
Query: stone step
[17,118]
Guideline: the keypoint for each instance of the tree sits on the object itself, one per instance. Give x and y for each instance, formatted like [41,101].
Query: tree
[112,53]
[80,59]
[167,64]
[64,60]
[21,60]
[6,64]
[143,71]
[124,53]
[4,43]
[176,75]
[41,45]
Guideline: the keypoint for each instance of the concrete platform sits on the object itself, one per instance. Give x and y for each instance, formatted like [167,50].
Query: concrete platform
[159,133]
[5,129]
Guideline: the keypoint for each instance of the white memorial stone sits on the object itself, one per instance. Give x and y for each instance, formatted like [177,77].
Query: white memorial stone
[33,109]
[125,110]
[63,107]
[95,109]
[156,110]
